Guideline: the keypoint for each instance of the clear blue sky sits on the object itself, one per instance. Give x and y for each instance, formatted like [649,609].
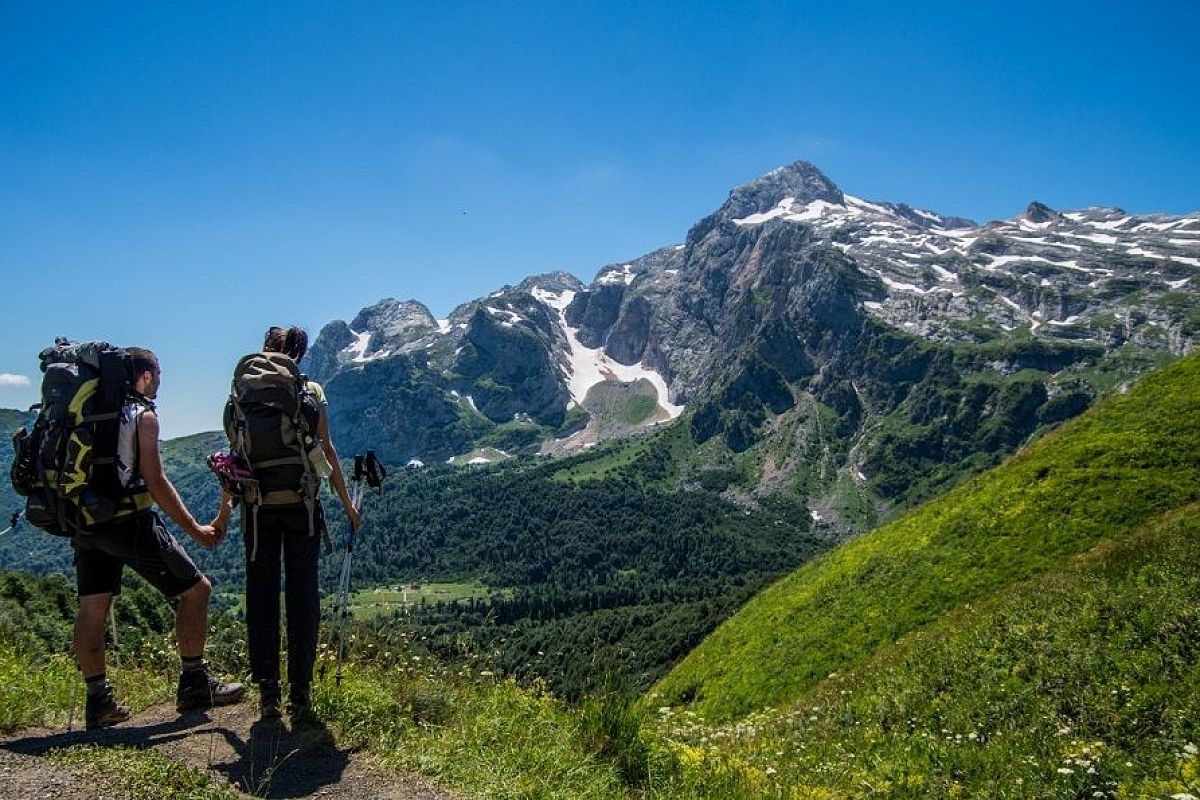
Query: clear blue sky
[182,175]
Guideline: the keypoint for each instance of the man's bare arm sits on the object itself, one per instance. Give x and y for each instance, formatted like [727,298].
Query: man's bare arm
[161,488]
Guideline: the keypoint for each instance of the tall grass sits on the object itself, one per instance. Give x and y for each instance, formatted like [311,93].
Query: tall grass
[483,735]
[47,691]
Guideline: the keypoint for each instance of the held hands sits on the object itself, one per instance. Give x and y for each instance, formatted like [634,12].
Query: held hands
[206,536]
[220,523]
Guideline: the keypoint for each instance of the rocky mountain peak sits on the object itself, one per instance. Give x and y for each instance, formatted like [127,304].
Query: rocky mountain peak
[787,288]
[391,317]
[1040,212]
[557,281]
[800,181]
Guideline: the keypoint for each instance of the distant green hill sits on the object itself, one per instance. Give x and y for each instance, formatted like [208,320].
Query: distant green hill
[11,418]
[1134,457]
[31,550]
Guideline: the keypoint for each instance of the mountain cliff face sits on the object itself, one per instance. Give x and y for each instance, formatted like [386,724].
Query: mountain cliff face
[847,353]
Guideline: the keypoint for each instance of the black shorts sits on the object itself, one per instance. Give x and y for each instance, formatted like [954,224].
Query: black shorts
[142,542]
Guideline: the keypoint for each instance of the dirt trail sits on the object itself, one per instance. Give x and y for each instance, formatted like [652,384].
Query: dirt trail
[255,757]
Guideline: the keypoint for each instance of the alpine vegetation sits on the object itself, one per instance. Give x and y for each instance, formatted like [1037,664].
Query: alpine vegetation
[1029,634]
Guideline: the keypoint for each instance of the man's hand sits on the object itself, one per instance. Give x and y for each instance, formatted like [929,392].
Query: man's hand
[354,517]
[206,536]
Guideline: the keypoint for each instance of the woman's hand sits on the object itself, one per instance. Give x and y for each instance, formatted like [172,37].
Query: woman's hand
[220,523]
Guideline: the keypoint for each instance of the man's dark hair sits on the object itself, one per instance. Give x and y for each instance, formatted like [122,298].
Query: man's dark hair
[291,341]
[143,360]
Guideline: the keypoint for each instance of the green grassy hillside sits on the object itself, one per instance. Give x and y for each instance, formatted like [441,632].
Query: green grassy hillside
[1081,682]
[1132,458]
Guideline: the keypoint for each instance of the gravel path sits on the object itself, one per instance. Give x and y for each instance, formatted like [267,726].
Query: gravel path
[261,759]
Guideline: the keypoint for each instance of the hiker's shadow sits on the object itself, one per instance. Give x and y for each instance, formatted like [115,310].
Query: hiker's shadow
[282,762]
[276,761]
[136,736]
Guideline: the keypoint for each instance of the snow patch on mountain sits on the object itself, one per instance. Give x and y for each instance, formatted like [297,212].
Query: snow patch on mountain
[356,351]
[624,274]
[788,210]
[358,348]
[470,400]
[588,366]
[507,317]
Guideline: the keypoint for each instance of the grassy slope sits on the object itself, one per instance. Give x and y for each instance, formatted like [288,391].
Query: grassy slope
[1132,458]
[1081,682]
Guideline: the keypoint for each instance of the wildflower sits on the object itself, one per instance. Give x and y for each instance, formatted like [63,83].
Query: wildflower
[1065,771]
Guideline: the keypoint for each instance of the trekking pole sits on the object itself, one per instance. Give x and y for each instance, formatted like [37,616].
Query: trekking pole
[342,604]
[365,467]
[112,621]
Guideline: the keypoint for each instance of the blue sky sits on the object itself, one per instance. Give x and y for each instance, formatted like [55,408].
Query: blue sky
[181,176]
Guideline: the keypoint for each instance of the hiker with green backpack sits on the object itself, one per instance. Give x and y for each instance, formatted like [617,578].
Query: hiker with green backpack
[90,470]
[277,422]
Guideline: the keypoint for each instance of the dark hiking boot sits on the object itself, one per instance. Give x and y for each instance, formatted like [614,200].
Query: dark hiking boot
[270,701]
[102,710]
[198,689]
[299,703]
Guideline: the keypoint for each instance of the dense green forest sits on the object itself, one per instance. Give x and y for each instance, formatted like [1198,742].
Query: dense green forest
[37,612]
[591,564]
[614,571]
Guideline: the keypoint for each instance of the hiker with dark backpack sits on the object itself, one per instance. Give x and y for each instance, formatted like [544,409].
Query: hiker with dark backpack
[95,475]
[277,422]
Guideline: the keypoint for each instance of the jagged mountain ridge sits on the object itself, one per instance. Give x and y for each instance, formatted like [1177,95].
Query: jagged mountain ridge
[793,310]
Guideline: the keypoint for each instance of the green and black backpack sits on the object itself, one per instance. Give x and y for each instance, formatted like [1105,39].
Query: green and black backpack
[271,421]
[66,466]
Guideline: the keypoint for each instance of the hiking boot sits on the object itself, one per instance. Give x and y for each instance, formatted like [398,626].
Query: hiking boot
[198,689]
[270,702]
[299,702]
[102,710]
